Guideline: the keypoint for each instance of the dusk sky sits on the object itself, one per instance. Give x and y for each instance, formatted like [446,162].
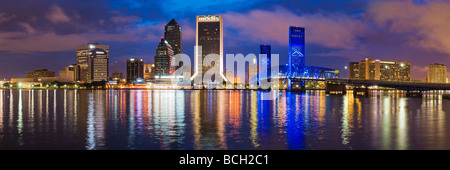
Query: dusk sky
[44,33]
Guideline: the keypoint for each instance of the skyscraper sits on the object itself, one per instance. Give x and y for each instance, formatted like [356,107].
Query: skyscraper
[208,36]
[93,60]
[265,49]
[437,73]
[117,75]
[163,58]
[172,34]
[296,48]
[135,69]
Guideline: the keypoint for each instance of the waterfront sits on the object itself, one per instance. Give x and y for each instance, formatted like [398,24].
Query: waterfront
[220,119]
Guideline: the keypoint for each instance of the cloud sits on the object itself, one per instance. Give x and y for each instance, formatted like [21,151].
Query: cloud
[331,30]
[28,28]
[125,19]
[32,40]
[56,14]
[425,25]
[5,17]
[20,42]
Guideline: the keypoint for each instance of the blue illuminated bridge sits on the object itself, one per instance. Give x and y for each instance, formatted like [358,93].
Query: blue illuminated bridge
[295,74]
[295,79]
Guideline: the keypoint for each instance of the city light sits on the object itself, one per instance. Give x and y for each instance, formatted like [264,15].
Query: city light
[294,77]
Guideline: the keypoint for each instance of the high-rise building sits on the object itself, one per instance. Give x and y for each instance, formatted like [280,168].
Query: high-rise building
[265,50]
[371,69]
[353,70]
[208,36]
[163,58]
[437,73]
[93,60]
[172,34]
[252,73]
[135,69]
[296,48]
[117,76]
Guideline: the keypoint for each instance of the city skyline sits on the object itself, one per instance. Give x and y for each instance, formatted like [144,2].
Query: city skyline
[361,30]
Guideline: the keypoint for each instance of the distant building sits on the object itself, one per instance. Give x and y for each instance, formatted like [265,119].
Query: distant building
[149,71]
[265,50]
[135,69]
[252,74]
[116,76]
[172,34]
[437,73]
[93,60]
[371,69]
[69,74]
[40,73]
[163,58]
[353,70]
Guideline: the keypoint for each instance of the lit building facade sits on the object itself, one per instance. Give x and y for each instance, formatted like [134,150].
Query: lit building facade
[371,69]
[117,76]
[135,69]
[172,34]
[209,40]
[437,73]
[353,70]
[40,73]
[149,70]
[163,59]
[69,74]
[93,61]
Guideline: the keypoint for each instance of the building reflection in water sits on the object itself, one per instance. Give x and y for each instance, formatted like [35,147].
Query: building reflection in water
[220,119]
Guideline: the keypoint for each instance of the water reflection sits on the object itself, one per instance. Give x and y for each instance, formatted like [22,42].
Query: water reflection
[222,119]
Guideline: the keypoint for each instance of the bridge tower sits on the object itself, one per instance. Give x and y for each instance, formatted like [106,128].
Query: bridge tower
[296,52]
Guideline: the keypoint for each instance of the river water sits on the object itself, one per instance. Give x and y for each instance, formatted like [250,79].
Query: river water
[221,119]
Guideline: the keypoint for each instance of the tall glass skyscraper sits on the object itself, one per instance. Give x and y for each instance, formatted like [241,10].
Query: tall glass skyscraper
[172,34]
[296,48]
[93,60]
[208,36]
[163,58]
[265,49]
[135,69]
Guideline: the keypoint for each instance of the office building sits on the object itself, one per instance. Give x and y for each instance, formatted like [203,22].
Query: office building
[437,73]
[93,60]
[135,69]
[296,48]
[149,71]
[172,34]
[69,74]
[163,58]
[265,50]
[353,70]
[252,74]
[371,69]
[209,40]
[117,76]
[40,73]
